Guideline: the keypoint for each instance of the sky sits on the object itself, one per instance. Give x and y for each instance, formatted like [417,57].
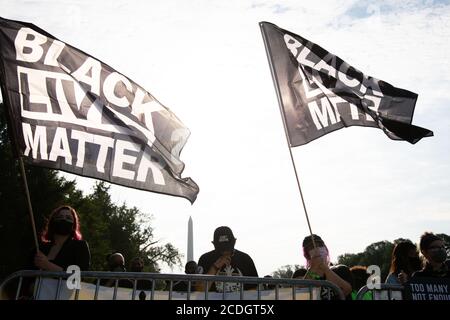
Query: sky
[206,61]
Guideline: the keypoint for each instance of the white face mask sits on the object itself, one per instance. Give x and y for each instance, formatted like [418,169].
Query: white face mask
[323,252]
[319,251]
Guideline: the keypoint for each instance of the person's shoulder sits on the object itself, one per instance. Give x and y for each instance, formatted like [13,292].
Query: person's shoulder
[206,257]
[341,269]
[242,254]
[79,244]
[207,254]
[44,245]
[392,278]
[420,274]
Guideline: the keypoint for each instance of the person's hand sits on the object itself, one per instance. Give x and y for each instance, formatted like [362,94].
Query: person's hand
[41,261]
[402,277]
[318,261]
[224,260]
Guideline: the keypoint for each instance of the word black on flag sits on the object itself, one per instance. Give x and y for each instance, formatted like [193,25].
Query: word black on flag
[69,111]
[320,93]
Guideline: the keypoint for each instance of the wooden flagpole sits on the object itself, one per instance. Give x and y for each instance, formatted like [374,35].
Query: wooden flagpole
[280,104]
[30,207]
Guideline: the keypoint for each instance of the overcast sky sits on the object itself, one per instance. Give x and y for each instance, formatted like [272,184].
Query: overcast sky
[205,60]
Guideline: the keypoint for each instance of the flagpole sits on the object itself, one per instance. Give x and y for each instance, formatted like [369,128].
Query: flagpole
[280,104]
[30,207]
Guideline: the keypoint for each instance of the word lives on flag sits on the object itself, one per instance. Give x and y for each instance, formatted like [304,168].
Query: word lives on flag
[69,111]
[320,93]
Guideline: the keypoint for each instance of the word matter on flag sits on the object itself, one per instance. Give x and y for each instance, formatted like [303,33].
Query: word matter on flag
[71,112]
[319,93]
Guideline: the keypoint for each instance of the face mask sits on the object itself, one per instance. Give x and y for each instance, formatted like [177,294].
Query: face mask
[62,227]
[415,263]
[136,269]
[439,255]
[319,251]
[323,252]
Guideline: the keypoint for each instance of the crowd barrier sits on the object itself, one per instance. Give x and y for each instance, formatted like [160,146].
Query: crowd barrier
[43,285]
[384,292]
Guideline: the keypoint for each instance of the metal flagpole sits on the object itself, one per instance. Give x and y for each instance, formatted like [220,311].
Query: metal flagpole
[280,104]
[30,208]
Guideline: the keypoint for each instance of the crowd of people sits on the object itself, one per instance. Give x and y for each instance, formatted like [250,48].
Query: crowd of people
[62,245]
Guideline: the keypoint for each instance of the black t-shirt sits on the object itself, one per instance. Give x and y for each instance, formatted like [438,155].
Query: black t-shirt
[73,252]
[428,272]
[241,265]
[345,274]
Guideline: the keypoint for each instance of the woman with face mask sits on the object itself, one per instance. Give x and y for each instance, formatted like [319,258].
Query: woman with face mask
[62,243]
[433,249]
[318,263]
[404,262]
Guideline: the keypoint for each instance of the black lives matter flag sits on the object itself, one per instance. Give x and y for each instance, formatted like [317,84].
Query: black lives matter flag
[69,111]
[320,93]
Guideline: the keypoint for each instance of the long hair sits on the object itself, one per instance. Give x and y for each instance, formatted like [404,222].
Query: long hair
[48,233]
[360,276]
[399,260]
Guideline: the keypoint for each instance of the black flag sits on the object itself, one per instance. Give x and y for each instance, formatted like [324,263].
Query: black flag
[320,93]
[69,111]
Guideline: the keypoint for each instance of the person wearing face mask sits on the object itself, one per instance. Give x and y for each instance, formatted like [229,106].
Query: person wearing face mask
[191,267]
[434,251]
[116,263]
[225,260]
[61,243]
[137,265]
[318,264]
[404,262]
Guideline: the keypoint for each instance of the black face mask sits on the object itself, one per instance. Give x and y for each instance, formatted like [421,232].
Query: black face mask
[62,227]
[439,256]
[136,269]
[415,263]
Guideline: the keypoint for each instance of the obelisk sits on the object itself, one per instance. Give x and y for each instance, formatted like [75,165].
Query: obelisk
[190,241]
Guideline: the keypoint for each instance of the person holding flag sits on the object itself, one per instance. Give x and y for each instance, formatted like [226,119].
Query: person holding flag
[62,243]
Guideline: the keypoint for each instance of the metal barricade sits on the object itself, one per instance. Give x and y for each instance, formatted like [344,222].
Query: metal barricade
[54,286]
[384,292]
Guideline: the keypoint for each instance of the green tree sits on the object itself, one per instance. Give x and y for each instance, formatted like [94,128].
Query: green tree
[446,239]
[286,271]
[378,253]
